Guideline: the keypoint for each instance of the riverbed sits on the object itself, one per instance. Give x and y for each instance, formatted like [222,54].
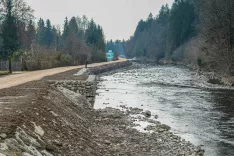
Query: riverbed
[197,111]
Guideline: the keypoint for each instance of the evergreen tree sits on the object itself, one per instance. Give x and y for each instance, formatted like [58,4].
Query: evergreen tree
[41,32]
[55,38]
[31,33]
[181,24]
[101,38]
[140,27]
[9,33]
[91,33]
[65,29]
[164,15]
[149,20]
[48,34]
[73,27]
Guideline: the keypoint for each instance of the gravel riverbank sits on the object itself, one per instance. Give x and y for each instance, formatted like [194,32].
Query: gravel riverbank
[132,131]
[116,131]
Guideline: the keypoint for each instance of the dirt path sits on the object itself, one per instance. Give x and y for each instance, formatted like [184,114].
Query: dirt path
[17,79]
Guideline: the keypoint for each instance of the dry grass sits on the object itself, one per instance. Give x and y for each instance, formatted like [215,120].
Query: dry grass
[4,73]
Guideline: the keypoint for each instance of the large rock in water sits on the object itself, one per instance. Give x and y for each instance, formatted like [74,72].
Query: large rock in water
[147,114]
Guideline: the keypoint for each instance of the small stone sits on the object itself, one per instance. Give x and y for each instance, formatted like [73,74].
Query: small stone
[39,130]
[3,136]
[147,114]
[49,148]
[107,142]
[56,142]
[44,152]
[3,147]
[54,114]
[166,127]
[26,154]
[156,116]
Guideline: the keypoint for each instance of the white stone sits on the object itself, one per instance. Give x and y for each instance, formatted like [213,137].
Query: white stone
[54,114]
[45,153]
[3,136]
[3,147]
[39,130]
[26,154]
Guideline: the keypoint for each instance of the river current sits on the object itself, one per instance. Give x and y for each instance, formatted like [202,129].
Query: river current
[197,111]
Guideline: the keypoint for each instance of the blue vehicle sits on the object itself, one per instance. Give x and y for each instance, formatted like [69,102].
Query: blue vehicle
[110,55]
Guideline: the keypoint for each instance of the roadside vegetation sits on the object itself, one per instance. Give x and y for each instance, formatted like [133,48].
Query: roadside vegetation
[4,73]
[38,44]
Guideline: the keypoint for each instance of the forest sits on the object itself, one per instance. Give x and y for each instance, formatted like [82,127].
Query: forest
[194,32]
[38,44]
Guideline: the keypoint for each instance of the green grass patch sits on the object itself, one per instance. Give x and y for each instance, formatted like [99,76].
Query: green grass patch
[4,73]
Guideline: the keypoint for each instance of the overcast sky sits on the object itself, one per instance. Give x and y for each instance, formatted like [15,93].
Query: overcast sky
[117,17]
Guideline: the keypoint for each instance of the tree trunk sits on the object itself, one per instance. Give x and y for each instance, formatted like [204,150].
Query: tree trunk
[10,69]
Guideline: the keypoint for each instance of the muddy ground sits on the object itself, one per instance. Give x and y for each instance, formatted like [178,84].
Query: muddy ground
[37,119]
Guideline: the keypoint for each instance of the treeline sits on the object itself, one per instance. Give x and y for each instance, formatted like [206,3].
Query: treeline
[116,46]
[197,32]
[158,37]
[42,45]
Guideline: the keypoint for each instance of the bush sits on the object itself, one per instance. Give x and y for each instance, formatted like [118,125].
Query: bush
[44,58]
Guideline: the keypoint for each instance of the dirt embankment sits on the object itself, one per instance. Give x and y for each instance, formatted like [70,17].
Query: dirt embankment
[37,119]
[40,120]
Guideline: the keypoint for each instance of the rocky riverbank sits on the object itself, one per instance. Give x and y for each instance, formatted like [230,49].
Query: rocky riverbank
[116,131]
[212,77]
[123,134]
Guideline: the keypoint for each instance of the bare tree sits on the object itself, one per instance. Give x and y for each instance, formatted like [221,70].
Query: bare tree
[217,29]
[21,10]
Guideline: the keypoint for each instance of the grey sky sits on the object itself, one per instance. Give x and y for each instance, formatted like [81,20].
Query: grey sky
[117,17]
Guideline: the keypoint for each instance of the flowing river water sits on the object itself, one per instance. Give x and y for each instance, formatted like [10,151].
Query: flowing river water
[197,111]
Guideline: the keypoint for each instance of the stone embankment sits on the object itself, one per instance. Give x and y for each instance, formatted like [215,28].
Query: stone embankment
[87,87]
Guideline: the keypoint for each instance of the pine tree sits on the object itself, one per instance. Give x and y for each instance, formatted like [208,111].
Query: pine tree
[41,32]
[55,37]
[9,33]
[65,29]
[48,34]
[91,33]
[101,38]
[73,27]
[31,33]
[181,24]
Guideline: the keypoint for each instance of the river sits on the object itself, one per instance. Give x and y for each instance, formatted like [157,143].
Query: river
[197,111]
